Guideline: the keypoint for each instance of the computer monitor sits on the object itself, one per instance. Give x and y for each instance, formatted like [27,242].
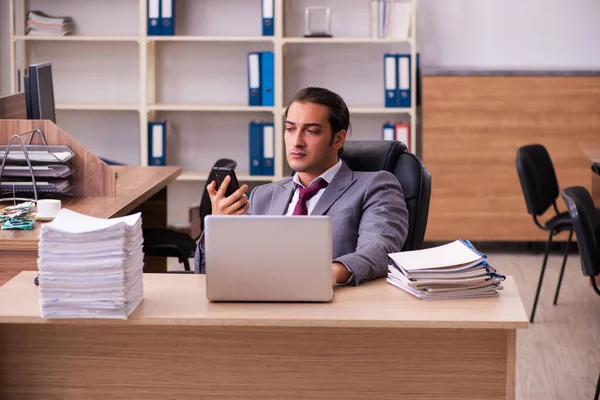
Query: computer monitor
[41,91]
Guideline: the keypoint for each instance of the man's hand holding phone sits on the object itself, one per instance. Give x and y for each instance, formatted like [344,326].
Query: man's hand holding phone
[234,204]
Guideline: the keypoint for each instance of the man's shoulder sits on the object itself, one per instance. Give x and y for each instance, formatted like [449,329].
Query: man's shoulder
[270,187]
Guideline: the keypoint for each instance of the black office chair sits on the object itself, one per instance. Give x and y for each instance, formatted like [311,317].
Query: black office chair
[586,224]
[540,189]
[165,242]
[392,156]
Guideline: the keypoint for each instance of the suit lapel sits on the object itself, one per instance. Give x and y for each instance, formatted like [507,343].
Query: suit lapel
[281,198]
[340,183]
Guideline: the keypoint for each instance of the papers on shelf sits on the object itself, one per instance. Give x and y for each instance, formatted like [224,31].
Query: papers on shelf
[454,270]
[40,24]
[90,267]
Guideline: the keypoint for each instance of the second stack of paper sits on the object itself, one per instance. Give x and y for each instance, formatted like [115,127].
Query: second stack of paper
[454,270]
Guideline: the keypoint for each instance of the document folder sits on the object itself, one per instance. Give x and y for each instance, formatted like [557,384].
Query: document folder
[390,77]
[387,131]
[156,143]
[402,134]
[268,165]
[256,147]
[167,18]
[153,17]
[267,78]
[403,94]
[268,29]
[254,89]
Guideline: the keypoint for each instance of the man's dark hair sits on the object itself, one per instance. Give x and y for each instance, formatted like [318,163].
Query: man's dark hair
[338,116]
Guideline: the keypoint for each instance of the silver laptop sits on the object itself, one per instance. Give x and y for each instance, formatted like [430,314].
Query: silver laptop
[268,258]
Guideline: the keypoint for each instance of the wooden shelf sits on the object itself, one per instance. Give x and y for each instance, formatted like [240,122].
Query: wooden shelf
[340,40]
[208,107]
[98,106]
[76,38]
[196,38]
[197,176]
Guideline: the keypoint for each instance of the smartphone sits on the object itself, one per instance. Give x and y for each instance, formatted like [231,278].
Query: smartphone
[220,173]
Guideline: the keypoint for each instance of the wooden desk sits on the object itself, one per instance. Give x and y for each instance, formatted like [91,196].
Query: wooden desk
[372,342]
[138,189]
[593,153]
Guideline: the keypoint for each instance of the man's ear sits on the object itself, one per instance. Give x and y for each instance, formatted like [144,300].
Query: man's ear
[339,139]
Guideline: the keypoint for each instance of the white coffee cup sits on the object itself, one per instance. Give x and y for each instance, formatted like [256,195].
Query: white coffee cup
[47,209]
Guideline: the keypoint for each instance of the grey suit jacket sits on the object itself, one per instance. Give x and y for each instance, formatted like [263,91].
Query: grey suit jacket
[368,215]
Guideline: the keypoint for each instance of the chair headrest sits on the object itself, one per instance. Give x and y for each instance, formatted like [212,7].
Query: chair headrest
[372,155]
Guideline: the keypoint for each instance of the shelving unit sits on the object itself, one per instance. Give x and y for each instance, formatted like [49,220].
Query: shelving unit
[197,79]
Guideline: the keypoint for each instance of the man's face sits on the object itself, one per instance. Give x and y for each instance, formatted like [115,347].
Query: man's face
[308,139]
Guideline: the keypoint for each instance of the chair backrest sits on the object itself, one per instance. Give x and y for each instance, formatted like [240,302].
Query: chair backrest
[205,205]
[537,177]
[586,225]
[392,156]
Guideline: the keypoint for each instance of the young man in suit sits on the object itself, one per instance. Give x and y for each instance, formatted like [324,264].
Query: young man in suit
[367,209]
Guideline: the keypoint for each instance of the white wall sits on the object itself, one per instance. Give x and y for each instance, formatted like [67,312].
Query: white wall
[510,34]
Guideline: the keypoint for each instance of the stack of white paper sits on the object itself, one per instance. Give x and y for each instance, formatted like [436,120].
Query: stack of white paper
[454,270]
[90,267]
[40,24]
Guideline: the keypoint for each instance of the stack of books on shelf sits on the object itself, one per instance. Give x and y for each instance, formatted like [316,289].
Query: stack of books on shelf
[40,24]
[90,267]
[451,271]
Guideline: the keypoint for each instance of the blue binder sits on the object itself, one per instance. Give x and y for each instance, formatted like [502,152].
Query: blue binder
[268,28]
[254,89]
[157,143]
[267,78]
[255,145]
[153,17]
[388,131]
[167,17]
[404,80]
[390,80]
[268,165]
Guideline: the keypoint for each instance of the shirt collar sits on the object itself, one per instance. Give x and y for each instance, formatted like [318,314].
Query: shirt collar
[327,176]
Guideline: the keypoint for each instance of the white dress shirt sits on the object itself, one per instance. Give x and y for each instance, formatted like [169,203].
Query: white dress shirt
[310,204]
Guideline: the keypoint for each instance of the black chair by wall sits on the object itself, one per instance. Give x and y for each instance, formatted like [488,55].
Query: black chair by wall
[392,156]
[165,242]
[586,224]
[540,189]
